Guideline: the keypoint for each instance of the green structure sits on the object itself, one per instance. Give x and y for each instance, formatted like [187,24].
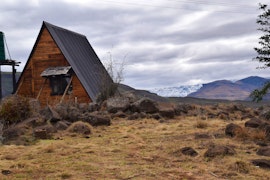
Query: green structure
[6,62]
[2,47]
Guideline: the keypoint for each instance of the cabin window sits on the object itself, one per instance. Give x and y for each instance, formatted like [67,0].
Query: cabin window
[60,78]
[58,85]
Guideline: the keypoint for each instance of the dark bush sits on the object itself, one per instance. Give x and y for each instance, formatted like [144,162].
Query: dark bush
[14,109]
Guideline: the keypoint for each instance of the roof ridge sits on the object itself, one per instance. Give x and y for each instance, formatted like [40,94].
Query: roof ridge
[60,28]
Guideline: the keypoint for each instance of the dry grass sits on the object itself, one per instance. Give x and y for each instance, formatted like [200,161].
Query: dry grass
[141,149]
[250,134]
[201,124]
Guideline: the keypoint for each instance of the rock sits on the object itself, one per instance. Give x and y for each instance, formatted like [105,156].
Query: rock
[261,143]
[41,134]
[73,113]
[265,114]
[119,114]
[262,163]
[189,151]
[6,172]
[83,107]
[50,114]
[62,125]
[211,115]
[130,95]
[32,122]
[134,116]
[184,109]
[219,150]
[266,128]
[93,107]
[44,132]
[48,127]
[247,116]
[253,123]
[96,119]
[116,104]
[232,129]
[264,151]
[13,133]
[144,105]
[62,110]
[156,116]
[166,110]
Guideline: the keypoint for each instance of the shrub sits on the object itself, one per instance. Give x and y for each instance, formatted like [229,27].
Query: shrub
[14,109]
[107,92]
[80,128]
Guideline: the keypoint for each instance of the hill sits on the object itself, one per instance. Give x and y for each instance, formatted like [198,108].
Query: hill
[224,89]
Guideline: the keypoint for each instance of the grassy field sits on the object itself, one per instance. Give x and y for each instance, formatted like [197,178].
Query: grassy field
[140,149]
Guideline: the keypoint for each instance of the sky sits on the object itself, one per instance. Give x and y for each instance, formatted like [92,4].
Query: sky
[159,43]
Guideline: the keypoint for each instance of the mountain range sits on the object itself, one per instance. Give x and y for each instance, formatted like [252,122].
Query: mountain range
[181,91]
[221,89]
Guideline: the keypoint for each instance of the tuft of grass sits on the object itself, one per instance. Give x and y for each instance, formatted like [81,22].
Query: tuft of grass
[245,134]
[240,167]
[65,175]
[201,124]
[258,135]
[242,134]
[80,127]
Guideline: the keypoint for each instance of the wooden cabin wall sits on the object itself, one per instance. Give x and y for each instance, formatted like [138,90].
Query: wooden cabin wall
[79,92]
[46,54]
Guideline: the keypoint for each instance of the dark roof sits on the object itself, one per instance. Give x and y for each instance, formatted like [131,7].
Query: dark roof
[82,58]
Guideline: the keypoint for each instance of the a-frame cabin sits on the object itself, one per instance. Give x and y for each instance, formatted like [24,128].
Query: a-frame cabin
[62,67]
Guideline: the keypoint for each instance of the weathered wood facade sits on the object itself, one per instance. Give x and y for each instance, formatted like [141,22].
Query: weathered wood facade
[45,54]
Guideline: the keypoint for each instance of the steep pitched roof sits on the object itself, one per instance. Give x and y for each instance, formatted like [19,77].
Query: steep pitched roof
[82,58]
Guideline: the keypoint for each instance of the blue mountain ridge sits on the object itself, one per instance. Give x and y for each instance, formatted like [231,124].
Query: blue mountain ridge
[224,89]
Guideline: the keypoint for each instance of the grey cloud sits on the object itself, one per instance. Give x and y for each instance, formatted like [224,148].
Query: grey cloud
[162,47]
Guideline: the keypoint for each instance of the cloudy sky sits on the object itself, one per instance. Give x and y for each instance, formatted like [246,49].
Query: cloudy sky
[162,43]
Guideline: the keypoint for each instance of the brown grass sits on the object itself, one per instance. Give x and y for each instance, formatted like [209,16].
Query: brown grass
[80,127]
[141,149]
[250,134]
[201,124]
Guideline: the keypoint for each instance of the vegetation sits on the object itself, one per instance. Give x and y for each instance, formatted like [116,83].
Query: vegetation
[138,149]
[264,50]
[167,147]
[14,109]
[116,71]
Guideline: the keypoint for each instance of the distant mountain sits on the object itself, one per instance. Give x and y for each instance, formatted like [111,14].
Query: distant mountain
[122,88]
[224,89]
[181,91]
